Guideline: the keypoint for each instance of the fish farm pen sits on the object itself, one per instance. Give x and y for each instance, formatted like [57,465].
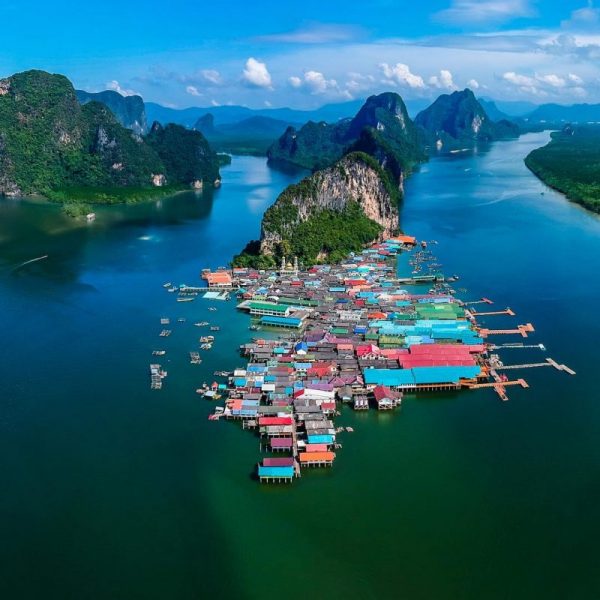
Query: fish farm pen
[350,333]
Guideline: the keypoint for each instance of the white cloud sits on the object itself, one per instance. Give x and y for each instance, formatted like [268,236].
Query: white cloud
[485,12]
[215,103]
[316,33]
[575,79]
[193,90]
[116,86]
[583,18]
[317,83]
[268,104]
[256,74]
[400,75]
[520,80]
[552,79]
[212,76]
[473,84]
[444,81]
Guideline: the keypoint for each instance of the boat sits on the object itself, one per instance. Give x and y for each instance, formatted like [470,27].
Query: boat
[186,299]
[158,352]
[168,284]
[206,346]
[254,328]
[207,339]
[201,324]
[172,289]
[212,308]
[215,328]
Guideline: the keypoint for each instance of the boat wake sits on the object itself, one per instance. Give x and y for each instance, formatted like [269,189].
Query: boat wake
[28,262]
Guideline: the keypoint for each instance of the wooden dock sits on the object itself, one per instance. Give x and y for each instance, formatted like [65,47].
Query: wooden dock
[506,311]
[549,363]
[523,330]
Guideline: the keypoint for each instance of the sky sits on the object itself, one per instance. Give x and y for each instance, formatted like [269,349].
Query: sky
[183,53]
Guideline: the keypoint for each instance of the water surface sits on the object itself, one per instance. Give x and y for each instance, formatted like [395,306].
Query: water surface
[114,491]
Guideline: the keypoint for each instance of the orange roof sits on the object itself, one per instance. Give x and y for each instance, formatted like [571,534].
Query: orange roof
[405,239]
[316,456]
[218,277]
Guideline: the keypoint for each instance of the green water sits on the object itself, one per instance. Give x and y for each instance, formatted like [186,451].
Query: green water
[113,491]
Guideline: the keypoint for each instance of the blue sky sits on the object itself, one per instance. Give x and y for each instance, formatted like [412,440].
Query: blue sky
[304,54]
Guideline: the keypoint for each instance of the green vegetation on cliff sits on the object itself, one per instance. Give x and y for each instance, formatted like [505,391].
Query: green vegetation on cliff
[570,163]
[328,235]
[52,146]
[185,153]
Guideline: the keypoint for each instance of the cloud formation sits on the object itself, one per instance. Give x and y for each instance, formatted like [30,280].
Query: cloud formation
[485,12]
[443,81]
[400,74]
[116,87]
[315,33]
[193,90]
[256,74]
[315,83]
[544,84]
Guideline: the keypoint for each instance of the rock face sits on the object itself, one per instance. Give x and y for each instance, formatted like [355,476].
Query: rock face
[128,110]
[381,128]
[458,120]
[355,182]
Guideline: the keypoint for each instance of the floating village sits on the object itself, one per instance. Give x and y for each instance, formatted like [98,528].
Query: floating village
[353,333]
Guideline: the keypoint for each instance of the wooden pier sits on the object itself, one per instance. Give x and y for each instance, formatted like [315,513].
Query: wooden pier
[506,311]
[520,330]
[549,363]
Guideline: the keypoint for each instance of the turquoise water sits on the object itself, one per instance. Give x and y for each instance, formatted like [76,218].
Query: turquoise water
[113,491]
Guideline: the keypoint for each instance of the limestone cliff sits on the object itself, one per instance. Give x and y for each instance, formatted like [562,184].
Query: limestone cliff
[333,211]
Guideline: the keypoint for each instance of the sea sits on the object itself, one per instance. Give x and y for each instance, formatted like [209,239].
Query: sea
[111,490]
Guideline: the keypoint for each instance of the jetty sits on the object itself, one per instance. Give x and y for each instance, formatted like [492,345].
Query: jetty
[354,334]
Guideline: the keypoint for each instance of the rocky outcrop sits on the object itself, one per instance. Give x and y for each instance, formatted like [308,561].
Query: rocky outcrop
[458,120]
[354,181]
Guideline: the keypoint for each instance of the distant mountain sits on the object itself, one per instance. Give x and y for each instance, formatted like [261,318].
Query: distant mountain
[129,110]
[458,119]
[249,136]
[381,128]
[557,113]
[492,110]
[512,108]
[233,114]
